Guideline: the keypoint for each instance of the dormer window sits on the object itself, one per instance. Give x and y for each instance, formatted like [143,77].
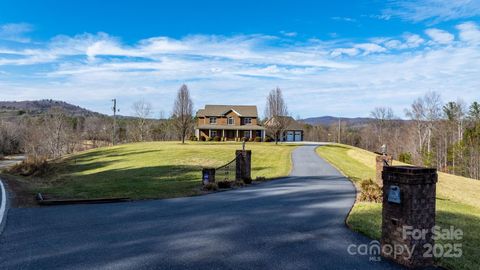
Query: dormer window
[247,121]
[231,121]
[213,120]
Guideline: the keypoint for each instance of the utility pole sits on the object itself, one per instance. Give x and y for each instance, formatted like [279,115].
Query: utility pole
[114,108]
[339,129]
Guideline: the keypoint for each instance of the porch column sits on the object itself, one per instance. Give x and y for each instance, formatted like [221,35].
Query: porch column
[263,135]
[209,133]
[223,133]
[237,134]
[251,134]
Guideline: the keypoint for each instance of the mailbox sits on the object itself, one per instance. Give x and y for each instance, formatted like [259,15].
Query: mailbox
[394,194]
[208,175]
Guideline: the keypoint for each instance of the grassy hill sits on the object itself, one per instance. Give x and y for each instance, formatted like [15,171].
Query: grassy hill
[152,170]
[458,203]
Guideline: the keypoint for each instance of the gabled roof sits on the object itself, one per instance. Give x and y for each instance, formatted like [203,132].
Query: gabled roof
[292,124]
[221,110]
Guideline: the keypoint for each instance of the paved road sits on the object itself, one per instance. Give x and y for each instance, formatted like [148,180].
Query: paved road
[10,161]
[294,223]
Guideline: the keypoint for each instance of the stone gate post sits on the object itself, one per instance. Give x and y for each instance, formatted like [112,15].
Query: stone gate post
[408,214]
[244,166]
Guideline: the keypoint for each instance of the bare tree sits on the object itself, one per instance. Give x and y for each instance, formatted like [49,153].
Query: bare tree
[425,112]
[276,111]
[382,116]
[143,111]
[183,112]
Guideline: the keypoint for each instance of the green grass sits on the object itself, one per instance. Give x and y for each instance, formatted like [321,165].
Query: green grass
[458,203]
[153,169]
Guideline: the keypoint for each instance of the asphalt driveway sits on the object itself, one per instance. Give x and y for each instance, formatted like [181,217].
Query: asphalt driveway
[293,223]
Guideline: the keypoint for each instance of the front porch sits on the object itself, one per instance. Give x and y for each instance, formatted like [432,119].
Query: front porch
[230,134]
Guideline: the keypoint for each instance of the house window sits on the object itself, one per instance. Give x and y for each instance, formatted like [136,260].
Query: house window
[214,133]
[213,120]
[247,121]
[231,121]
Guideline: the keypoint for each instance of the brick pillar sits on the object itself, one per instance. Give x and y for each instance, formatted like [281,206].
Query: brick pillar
[408,200]
[208,175]
[380,162]
[244,166]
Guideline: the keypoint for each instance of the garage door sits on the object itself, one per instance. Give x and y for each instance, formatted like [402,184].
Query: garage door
[290,136]
[298,136]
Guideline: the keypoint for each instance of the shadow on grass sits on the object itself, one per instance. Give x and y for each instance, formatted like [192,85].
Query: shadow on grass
[107,153]
[137,183]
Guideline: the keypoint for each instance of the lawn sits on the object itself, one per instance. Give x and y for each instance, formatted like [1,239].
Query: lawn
[153,169]
[458,203]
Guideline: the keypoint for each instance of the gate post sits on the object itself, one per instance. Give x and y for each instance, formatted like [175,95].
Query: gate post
[208,175]
[408,210]
[243,166]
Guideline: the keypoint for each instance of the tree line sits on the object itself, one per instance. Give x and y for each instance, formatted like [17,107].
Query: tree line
[433,134]
[55,133]
[445,136]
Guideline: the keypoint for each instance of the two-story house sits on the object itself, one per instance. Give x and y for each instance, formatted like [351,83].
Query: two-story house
[229,122]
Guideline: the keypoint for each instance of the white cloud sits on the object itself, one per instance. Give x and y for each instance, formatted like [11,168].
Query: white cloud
[346,51]
[439,36]
[15,32]
[432,11]
[369,48]
[469,32]
[393,44]
[345,19]
[90,69]
[413,40]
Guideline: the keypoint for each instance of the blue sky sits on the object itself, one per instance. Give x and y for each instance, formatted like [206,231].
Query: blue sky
[341,58]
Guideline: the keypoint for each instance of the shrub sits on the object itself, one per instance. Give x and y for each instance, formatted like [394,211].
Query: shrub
[31,168]
[216,138]
[370,191]
[244,139]
[193,138]
[209,139]
[251,139]
[258,139]
[224,184]
[203,138]
[405,157]
[268,139]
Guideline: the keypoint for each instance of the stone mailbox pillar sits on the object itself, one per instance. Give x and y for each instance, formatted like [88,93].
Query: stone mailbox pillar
[408,214]
[208,175]
[380,163]
[244,166]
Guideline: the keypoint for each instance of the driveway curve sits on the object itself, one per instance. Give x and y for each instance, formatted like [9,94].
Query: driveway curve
[291,223]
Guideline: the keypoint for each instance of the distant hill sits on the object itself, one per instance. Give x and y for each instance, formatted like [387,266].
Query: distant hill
[330,120]
[35,107]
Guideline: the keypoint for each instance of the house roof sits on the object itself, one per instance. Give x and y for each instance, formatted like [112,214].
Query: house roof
[292,124]
[221,110]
